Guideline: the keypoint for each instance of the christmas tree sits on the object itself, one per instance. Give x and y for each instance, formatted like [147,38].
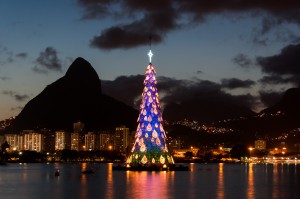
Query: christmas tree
[150,147]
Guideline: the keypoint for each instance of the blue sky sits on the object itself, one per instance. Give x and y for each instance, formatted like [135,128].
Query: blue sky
[193,44]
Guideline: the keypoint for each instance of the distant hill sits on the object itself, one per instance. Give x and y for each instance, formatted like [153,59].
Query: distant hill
[206,111]
[289,105]
[273,121]
[284,115]
[279,123]
[77,96]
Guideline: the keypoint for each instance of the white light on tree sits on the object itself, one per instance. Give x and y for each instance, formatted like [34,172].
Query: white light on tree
[150,54]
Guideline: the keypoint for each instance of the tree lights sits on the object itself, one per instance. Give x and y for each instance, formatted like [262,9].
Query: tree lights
[150,147]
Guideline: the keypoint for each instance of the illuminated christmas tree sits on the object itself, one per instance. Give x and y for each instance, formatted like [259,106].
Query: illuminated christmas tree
[150,147]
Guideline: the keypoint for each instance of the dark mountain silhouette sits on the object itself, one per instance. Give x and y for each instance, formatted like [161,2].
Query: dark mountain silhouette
[282,118]
[289,105]
[278,121]
[77,96]
[205,111]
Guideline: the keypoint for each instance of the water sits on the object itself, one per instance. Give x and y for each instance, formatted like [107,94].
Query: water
[30,181]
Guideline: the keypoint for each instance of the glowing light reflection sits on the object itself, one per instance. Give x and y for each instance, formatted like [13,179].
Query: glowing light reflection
[250,187]
[156,184]
[220,185]
[110,190]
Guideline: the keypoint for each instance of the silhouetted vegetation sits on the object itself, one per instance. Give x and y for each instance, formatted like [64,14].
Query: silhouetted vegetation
[239,151]
[65,155]
[188,155]
[31,156]
[3,154]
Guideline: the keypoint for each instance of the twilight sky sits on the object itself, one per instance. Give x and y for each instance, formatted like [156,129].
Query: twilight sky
[243,51]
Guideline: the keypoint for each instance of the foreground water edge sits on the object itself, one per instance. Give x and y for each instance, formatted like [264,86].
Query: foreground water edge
[217,180]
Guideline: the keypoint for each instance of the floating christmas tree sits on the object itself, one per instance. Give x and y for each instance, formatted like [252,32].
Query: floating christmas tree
[150,147]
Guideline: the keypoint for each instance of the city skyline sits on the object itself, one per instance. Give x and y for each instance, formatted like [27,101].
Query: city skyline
[242,51]
[45,140]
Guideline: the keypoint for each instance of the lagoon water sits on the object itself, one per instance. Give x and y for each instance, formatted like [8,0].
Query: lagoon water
[233,181]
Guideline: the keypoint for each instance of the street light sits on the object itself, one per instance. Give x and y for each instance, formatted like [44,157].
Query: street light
[250,149]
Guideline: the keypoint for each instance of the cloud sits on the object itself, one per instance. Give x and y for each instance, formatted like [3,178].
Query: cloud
[198,72]
[285,63]
[21,97]
[204,101]
[16,96]
[237,83]
[6,55]
[277,80]
[48,60]
[96,9]
[158,19]
[154,25]
[242,60]
[39,70]
[281,33]
[129,89]
[283,67]
[201,90]
[125,88]
[22,55]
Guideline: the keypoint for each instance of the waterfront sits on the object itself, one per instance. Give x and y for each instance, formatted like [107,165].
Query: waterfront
[30,181]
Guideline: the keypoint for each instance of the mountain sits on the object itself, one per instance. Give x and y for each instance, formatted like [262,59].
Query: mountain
[205,111]
[77,96]
[282,118]
[276,124]
[289,105]
[284,115]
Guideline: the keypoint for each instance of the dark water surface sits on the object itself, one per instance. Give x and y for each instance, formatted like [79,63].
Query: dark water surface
[30,181]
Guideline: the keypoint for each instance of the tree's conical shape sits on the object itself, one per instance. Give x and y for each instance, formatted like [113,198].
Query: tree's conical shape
[150,145]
